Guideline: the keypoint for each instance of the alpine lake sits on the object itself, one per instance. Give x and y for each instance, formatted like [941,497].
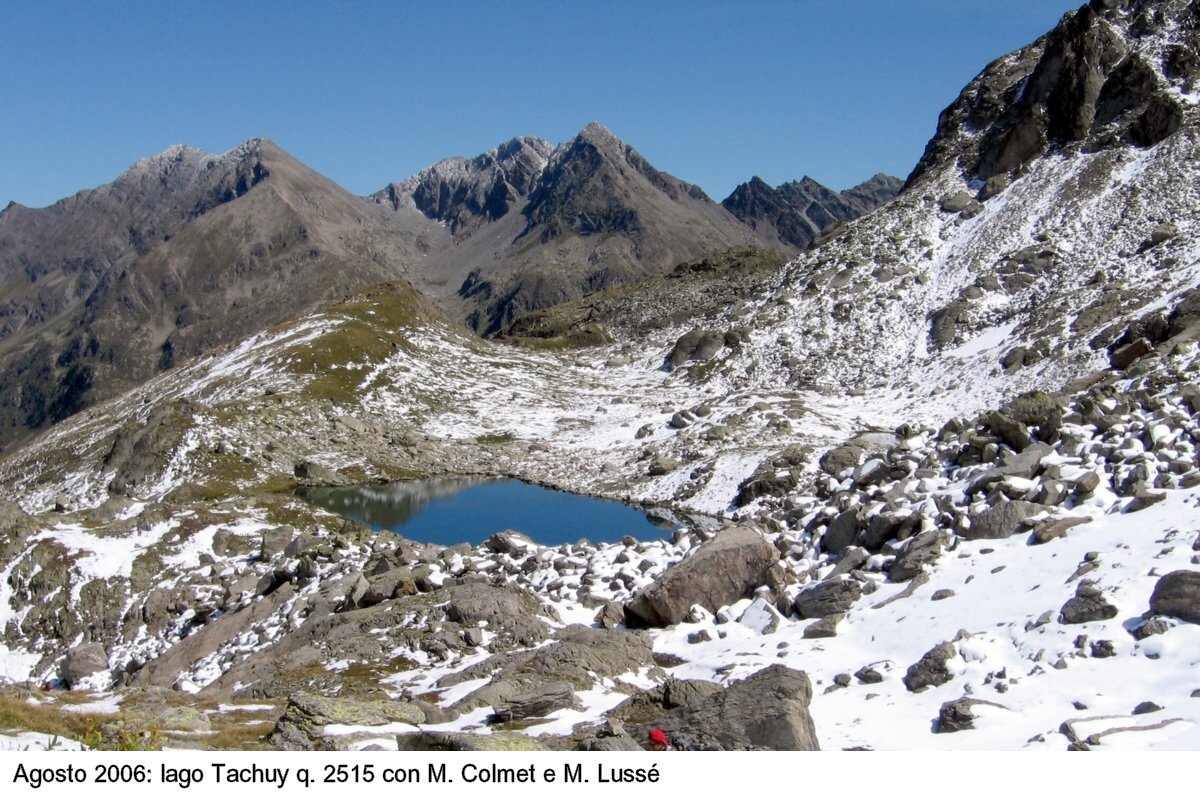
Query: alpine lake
[452,510]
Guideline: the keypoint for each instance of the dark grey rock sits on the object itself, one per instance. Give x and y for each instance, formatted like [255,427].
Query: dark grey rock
[958,715]
[1144,500]
[1150,627]
[840,459]
[1163,233]
[507,609]
[1146,707]
[611,615]
[1054,528]
[830,597]
[824,628]
[930,670]
[1177,594]
[841,533]
[1001,520]
[1024,464]
[868,675]
[1088,605]
[508,542]
[699,344]
[1125,356]
[274,541]
[921,550]
[1013,433]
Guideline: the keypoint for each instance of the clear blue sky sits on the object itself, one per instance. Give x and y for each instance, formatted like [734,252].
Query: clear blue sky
[367,93]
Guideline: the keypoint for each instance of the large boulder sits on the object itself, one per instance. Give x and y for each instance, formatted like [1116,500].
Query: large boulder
[726,568]
[830,597]
[84,661]
[765,711]
[698,345]
[580,656]
[1177,594]
[840,459]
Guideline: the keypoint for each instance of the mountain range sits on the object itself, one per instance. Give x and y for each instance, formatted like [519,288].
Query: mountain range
[186,251]
[942,460]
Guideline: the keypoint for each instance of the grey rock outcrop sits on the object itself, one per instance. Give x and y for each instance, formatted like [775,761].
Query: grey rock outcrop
[765,711]
[301,727]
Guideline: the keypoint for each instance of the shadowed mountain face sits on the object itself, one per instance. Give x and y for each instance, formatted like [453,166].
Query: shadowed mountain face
[183,252]
[790,217]
[1096,81]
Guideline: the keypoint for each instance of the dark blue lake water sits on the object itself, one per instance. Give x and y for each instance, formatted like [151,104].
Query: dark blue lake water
[448,511]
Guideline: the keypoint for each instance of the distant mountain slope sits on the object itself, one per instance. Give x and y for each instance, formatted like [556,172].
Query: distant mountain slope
[182,252]
[529,226]
[790,216]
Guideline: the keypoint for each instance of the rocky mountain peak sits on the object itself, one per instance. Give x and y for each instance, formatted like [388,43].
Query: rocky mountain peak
[794,213]
[1112,73]
[588,182]
[466,192]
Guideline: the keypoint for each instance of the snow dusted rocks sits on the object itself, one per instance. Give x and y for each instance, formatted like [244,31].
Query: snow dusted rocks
[719,572]
[1177,594]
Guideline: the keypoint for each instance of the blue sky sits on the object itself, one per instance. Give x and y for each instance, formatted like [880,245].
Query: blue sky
[367,93]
